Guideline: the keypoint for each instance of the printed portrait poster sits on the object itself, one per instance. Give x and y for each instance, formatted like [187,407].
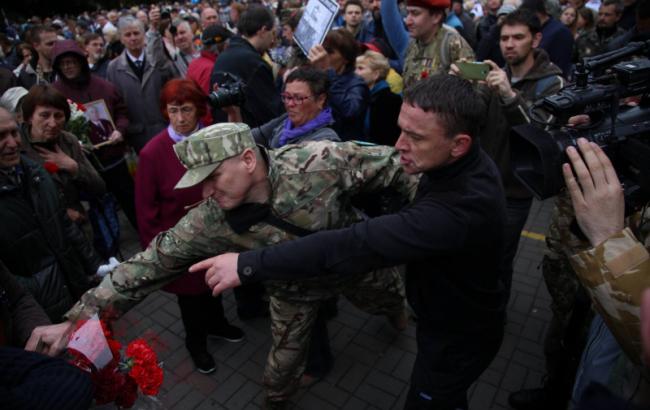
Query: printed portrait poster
[315,23]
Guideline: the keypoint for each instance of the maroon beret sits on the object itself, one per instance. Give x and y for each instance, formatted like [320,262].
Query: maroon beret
[429,4]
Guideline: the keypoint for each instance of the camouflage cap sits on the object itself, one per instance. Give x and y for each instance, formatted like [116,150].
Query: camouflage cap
[202,152]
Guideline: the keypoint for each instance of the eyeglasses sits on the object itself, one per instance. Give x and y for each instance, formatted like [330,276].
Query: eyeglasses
[186,110]
[297,99]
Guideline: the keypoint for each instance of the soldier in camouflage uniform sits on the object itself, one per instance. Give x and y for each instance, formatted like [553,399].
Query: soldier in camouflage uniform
[433,46]
[596,41]
[287,193]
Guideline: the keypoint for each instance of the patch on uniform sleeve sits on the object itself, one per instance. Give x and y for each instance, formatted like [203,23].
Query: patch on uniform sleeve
[631,258]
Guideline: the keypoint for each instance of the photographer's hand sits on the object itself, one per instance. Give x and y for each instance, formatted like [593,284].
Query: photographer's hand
[497,79]
[596,195]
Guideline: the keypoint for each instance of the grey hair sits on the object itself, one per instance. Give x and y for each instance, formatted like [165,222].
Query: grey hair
[127,21]
[179,22]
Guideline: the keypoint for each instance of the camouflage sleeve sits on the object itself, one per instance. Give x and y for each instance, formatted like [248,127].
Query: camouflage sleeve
[200,234]
[615,273]
[369,168]
[459,49]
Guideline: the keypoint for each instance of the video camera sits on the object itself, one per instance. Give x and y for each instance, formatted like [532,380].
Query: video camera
[538,150]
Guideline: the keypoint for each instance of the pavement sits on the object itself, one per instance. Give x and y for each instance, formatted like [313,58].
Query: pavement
[372,361]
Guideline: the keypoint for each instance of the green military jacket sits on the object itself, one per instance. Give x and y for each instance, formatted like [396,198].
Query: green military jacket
[423,60]
[593,42]
[311,184]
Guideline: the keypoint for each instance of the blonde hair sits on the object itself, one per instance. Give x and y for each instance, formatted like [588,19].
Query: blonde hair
[376,61]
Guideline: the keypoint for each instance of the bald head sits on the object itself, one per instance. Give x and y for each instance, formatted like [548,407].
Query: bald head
[9,140]
[209,17]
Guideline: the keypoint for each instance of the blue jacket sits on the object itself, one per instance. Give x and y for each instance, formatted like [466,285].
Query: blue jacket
[349,97]
[558,43]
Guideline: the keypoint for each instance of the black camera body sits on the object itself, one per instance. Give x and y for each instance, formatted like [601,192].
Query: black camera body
[538,151]
[231,90]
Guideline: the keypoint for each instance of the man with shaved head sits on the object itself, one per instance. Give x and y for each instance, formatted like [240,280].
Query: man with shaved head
[209,16]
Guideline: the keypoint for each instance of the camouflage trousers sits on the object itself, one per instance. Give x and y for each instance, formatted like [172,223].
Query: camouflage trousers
[566,334]
[293,315]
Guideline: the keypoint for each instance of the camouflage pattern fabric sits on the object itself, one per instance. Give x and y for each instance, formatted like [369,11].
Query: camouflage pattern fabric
[562,344]
[292,321]
[423,60]
[590,43]
[312,186]
[559,276]
[202,152]
[615,273]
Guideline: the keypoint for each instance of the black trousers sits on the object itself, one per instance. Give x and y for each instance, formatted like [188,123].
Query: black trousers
[201,314]
[120,183]
[32,381]
[517,215]
[447,364]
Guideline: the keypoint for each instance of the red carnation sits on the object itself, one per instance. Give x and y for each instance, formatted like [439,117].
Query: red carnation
[51,167]
[149,378]
[424,74]
[141,353]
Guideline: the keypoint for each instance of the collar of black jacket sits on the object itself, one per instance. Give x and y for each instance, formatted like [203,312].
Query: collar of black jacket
[457,167]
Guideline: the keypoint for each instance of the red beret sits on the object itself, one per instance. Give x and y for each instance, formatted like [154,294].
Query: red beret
[429,4]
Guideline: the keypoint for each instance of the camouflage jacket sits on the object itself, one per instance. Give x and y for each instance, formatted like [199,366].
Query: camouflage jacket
[615,273]
[423,60]
[311,186]
[594,42]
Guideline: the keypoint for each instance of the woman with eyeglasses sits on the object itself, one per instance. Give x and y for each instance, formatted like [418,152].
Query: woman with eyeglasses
[307,117]
[159,207]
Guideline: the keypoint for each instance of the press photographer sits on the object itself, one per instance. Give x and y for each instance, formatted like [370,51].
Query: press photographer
[609,262]
[615,271]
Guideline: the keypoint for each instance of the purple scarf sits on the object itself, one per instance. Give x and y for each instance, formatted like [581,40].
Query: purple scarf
[289,133]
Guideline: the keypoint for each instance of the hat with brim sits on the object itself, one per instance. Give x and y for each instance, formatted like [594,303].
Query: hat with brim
[202,152]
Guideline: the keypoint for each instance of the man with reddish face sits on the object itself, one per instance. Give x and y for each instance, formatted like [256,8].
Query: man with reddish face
[450,237]
[209,16]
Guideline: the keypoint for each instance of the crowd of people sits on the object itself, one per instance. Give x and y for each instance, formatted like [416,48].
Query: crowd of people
[368,165]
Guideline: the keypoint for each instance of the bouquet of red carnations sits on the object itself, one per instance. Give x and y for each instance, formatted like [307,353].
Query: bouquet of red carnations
[115,379]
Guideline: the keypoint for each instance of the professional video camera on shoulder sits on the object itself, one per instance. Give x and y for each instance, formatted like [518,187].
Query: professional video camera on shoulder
[538,149]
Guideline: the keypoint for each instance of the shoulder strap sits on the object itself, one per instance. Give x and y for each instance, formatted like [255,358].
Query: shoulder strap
[286,226]
[444,49]
[543,84]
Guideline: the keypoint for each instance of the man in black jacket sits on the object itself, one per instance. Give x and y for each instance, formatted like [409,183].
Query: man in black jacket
[451,238]
[243,59]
